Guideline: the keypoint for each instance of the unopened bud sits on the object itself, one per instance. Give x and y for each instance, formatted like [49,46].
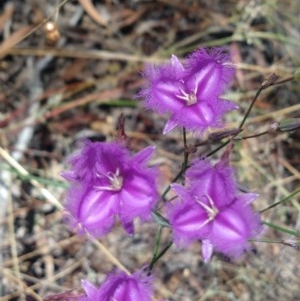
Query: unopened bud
[122,138]
[289,124]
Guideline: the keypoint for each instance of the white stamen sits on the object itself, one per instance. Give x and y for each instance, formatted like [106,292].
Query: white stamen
[115,179]
[190,98]
[211,209]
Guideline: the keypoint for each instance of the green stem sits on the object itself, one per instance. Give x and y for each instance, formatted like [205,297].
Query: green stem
[251,136]
[266,241]
[291,195]
[282,229]
[283,81]
[161,254]
[178,176]
[186,153]
[183,167]
[251,106]
[261,88]
[156,247]
[289,242]
[218,148]
[160,219]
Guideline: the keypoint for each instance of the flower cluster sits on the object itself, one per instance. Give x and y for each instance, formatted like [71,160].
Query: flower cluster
[190,92]
[211,208]
[106,182]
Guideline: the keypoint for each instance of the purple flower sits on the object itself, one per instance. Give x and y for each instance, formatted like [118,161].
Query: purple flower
[190,93]
[212,209]
[107,183]
[122,287]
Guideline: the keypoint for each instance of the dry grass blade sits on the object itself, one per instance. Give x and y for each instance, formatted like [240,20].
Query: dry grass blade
[14,39]
[13,243]
[44,250]
[108,254]
[22,171]
[24,288]
[92,11]
[7,14]
[101,96]
[84,54]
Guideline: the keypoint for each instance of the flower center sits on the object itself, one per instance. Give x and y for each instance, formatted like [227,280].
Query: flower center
[115,181]
[189,98]
[210,208]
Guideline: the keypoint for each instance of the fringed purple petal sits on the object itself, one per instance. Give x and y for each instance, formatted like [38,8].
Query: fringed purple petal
[210,70]
[122,287]
[163,86]
[233,227]
[91,211]
[217,181]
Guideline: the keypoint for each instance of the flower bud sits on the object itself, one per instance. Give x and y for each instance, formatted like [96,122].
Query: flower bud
[289,124]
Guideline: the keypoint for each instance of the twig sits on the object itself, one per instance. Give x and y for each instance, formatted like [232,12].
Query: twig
[30,32]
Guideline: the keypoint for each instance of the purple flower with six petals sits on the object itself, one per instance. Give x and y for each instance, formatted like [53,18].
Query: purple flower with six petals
[106,182]
[212,209]
[190,93]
